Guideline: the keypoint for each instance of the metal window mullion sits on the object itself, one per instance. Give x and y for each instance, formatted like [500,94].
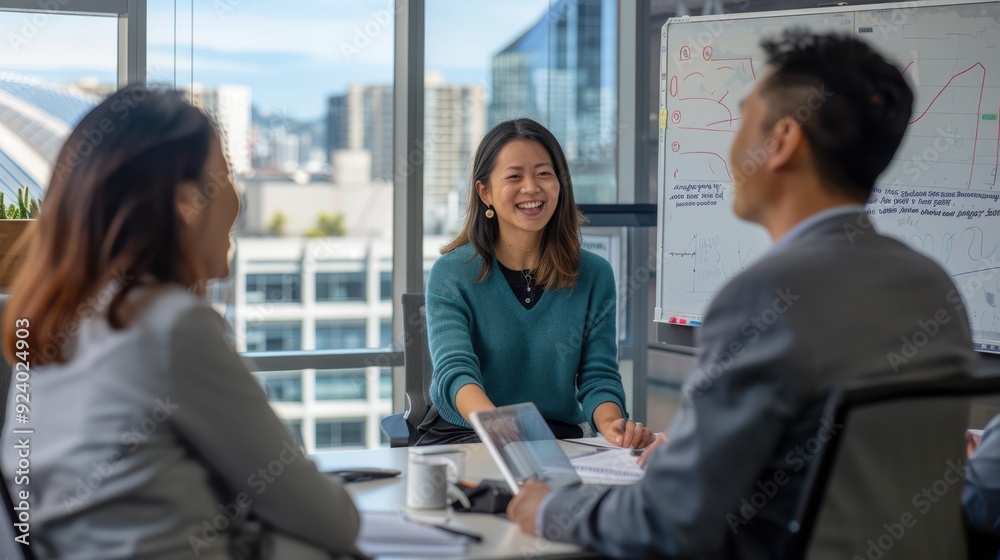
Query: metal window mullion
[408,179]
[632,178]
[265,361]
[132,44]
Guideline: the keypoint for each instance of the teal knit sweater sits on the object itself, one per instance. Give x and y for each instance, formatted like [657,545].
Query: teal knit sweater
[561,355]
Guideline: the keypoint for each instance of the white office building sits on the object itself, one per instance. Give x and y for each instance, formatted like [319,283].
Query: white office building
[229,105]
[292,293]
[293,290]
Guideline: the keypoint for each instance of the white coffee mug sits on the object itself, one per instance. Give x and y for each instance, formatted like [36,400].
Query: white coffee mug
[430,477]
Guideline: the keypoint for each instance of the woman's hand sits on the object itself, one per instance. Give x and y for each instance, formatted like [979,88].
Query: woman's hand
[626,433]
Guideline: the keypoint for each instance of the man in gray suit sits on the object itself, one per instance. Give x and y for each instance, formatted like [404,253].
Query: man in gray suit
[831,301]
[981,495]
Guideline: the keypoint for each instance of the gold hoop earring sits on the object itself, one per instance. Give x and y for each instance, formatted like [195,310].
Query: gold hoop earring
[490,213]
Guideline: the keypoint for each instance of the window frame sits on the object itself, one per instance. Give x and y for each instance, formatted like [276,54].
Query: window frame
[632,210]
[408,193]
[131,16]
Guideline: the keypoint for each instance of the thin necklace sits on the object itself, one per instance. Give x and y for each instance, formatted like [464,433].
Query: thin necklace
[535,248]
[512,246]
[527,279]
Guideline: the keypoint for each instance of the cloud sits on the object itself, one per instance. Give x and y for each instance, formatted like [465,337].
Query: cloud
[302,35]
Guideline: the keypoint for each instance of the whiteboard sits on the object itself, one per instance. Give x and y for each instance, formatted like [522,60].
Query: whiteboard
[939,194]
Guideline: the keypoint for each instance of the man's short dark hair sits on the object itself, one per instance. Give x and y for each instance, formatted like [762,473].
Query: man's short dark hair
[852,104]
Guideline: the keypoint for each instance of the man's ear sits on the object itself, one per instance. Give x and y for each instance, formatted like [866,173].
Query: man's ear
[484,193]
[785,139]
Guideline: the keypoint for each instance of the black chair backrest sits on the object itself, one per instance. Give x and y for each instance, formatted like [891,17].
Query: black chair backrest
[9,547]
[912,425]
[416,361]
[5,371]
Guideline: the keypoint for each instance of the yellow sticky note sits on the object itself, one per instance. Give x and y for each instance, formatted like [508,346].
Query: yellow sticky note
[663,118]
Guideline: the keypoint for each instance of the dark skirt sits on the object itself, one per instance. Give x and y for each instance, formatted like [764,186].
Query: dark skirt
[438,431]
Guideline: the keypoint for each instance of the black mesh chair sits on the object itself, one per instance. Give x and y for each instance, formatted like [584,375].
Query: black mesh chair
[9,548]
[5,370]
[402,429]
[913,428]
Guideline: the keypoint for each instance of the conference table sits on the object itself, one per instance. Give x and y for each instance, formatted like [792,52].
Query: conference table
[501,538]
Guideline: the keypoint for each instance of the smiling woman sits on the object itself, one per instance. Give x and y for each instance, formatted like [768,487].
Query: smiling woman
[516,310]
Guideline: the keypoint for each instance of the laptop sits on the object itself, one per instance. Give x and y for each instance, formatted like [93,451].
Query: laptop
[523,446]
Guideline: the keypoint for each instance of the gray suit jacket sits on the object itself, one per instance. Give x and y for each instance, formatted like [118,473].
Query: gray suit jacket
[982,482]
[155,442]
[833,304]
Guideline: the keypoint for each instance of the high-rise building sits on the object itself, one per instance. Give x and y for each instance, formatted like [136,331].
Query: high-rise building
[229,105]
[336,124]
[455,121]
[361,119]
[562,72]
[286,149]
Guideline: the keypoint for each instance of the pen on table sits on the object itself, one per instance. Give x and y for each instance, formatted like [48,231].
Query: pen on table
[473,536]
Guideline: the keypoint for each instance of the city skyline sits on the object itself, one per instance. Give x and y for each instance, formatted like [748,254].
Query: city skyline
[240,42]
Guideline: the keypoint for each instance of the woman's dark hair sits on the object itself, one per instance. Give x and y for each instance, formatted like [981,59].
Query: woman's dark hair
[110,217]
[852,104]
[559,252]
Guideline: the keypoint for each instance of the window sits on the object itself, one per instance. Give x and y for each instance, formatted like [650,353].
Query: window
[340,433]
[385,285]
[385,383]
[54,69]
[286,288]
[282,386]
[303,101]
[340,286]
[345,384]
[552,60]
[385,333]
[274,336]
[335,335]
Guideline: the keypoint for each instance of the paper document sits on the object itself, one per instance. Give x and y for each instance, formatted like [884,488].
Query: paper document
[597,441]
[606,466]
[389,533]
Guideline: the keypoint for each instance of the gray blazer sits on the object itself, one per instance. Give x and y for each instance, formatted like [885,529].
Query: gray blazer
[831,305]
[155,442]
[982,482]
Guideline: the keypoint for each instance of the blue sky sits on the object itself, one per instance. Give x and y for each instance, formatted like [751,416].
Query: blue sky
[292,54]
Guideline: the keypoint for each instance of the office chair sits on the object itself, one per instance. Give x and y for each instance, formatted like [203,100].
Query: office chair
[402,429]
[911,434]
[5,371]
[8,546]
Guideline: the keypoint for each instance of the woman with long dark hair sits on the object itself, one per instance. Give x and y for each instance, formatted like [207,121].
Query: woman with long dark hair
[516,310]
[150,438]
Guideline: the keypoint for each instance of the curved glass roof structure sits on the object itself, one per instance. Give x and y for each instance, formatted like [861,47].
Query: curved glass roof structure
[21,101]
